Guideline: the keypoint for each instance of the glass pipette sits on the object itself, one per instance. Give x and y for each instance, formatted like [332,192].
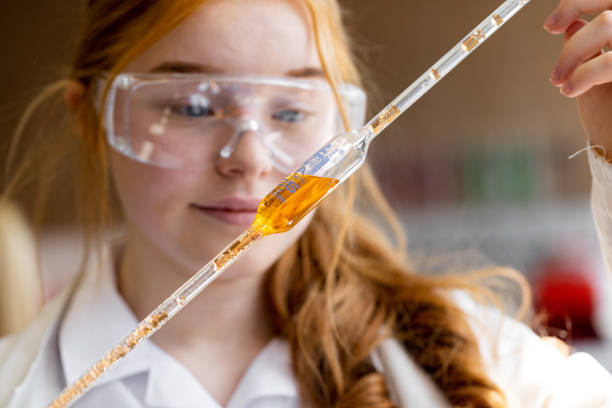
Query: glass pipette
[295,196]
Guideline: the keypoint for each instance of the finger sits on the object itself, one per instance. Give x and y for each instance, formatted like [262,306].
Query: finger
[573,28]
[584,44]
[569,10]
[594,72]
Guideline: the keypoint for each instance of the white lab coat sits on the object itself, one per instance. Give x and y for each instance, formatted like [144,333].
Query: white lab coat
[532,372]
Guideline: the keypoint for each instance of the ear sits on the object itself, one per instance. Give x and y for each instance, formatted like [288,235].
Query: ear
[74,95]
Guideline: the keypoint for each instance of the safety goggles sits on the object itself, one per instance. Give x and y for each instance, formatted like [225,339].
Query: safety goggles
[190,121]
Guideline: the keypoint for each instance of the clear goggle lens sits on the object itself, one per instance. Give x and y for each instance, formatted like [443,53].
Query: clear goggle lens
[190,121]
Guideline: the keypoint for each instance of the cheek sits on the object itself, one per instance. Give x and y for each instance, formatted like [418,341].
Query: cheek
[149,195]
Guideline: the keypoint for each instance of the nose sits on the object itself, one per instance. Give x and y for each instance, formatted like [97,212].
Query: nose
[245,154]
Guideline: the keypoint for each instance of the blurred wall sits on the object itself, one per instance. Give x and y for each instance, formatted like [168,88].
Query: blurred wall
[36,48]
[502,87]
[499,96]
[37,38]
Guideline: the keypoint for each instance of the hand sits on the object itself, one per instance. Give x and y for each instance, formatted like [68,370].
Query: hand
[584,69]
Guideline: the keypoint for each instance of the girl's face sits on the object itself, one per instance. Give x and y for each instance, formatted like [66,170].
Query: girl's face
[190,216]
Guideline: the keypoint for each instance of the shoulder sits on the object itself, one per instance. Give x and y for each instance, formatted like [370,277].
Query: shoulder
[19,350]
[533,372]
[33,331]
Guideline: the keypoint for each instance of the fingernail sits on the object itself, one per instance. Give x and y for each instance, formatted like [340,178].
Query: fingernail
[556,74]
[567,88]
[552,20]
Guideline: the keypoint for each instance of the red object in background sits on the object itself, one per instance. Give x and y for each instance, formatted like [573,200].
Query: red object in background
[565,293]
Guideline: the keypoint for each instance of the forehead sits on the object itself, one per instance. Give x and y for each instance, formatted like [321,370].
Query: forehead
[266,37]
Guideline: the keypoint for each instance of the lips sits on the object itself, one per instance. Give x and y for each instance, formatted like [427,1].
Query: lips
[233,210]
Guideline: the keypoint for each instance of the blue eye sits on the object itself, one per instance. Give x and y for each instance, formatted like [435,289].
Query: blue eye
[289,115]
[194,111]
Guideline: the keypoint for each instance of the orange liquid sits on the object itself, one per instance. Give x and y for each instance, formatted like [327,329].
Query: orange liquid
[280,210]
[290,201]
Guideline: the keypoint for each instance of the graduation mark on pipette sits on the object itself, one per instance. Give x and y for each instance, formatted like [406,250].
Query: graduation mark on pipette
[473,40]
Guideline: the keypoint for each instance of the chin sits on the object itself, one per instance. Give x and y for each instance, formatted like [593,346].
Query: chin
[203,247]
[235,272]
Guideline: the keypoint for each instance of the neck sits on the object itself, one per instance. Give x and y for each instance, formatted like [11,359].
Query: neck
[230,313]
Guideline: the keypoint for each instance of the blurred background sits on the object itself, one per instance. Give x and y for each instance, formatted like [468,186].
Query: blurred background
[477,166]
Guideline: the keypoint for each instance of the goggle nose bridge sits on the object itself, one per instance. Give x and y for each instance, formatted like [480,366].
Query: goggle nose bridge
[241,126]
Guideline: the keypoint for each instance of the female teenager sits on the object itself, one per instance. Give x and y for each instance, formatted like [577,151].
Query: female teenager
[213,102]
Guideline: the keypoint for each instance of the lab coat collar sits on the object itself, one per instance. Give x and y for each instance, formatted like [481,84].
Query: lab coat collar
[172,385]
[269,375]
[96,304]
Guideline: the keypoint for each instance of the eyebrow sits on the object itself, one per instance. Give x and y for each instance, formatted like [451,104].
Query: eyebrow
[181,67]
[306,72]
